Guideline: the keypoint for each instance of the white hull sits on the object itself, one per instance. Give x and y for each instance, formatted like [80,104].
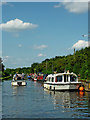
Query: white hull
[62,86]
[18,83]
[35,79]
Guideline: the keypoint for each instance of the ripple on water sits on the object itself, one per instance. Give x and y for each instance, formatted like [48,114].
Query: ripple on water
[32,101]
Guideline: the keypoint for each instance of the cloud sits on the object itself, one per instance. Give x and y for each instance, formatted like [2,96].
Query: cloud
[20,45]
[41,55]
[15,34]
[5,58]
[57,6]
[74,7]
[80,44]
[41,47]
[3,3]
[6,3]
[17,25]
[16,62]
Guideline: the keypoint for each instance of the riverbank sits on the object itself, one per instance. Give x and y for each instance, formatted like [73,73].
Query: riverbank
[5,78]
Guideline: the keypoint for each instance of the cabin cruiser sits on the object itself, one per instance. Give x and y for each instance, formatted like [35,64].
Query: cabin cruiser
[18,80]
[18,83]
[62,81]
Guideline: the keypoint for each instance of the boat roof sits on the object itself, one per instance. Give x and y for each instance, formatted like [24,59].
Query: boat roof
[65,73]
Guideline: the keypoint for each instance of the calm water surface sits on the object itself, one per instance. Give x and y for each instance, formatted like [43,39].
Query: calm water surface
[33,101]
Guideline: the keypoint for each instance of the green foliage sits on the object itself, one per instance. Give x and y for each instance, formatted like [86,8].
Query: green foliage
[78,63]
[1,68]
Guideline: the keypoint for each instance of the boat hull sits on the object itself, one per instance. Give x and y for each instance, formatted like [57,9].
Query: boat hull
[62,87]
[35,79]
[18,83]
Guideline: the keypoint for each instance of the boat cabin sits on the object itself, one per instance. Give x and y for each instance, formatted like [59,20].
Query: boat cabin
[62,77]
[62,81]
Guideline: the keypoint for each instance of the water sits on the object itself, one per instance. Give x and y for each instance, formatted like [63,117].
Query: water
[33,101]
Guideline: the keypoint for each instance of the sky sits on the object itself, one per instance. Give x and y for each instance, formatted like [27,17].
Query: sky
[35,31]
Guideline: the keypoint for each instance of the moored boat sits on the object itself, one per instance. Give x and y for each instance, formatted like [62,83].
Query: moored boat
[35,79]
[18,80]
[18,83]
[40,78]
[62,81]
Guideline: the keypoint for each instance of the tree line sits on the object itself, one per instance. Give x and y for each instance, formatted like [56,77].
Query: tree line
[78,63]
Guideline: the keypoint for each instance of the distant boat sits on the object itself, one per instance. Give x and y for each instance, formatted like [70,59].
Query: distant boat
[19,83]
[18,80]
[35,79]
[40,78]
[29,77]
[62,81]
[18,76]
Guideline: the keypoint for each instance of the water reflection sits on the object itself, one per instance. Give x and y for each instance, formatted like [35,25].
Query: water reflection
[75,102]
[88,99]
[62,99]
[17,90]
[38,84]
[33,101]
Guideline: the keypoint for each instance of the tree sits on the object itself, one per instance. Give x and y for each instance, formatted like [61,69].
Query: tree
[1,67]
[78,63]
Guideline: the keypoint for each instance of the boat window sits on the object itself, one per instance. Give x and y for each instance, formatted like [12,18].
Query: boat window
[67,78]
[64,78]
[59,78]
[49,79]
[52,79]
[72,78]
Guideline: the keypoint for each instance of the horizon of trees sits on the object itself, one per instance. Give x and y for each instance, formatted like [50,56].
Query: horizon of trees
[78,63]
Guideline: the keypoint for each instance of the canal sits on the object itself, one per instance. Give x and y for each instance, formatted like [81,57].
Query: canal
[33,101]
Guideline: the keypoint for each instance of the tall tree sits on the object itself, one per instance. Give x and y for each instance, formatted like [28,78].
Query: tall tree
[1,67]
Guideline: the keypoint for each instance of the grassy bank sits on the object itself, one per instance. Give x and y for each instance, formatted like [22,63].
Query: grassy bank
[5,78]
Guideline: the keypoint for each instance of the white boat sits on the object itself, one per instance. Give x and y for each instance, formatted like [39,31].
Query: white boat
[62,81]
[18,83]
[18,80]
[35,79]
